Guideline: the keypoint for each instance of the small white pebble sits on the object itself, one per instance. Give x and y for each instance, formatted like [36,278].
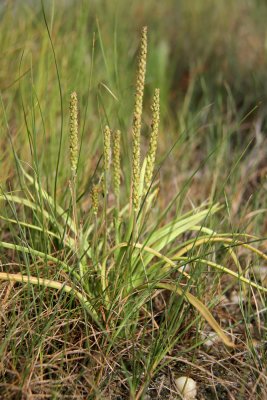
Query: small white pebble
[187,387]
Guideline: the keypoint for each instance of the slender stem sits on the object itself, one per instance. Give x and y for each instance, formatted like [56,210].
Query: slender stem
[103,265]
[76,223]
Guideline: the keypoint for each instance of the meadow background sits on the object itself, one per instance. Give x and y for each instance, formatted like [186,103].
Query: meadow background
[209,60]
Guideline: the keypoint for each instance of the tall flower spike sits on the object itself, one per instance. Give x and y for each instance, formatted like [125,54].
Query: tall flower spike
[106,148]
[136,131]
[73,138]
[153,144]
[116,162]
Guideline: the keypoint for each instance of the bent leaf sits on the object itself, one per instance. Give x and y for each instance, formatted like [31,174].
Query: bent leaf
[201,308]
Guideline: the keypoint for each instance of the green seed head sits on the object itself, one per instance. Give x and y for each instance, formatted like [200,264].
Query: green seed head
[106,148]
[136,131]
[116,162]
[73,136]
[94,198]
[151,155]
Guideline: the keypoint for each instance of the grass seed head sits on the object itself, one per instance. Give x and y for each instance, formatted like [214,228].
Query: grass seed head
[116,162]
[94,197]
[153,144]
[73,138]
[106,148]
[139,94]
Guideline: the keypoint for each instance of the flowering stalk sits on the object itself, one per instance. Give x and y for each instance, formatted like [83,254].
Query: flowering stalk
[73,135]
[73,146]
[136,131]
[74,152]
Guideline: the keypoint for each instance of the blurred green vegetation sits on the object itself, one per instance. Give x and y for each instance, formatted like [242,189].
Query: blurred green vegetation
[208,58]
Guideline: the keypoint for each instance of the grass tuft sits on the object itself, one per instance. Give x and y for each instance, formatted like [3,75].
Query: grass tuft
[108,282]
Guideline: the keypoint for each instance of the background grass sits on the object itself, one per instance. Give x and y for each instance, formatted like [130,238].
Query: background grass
[210,64]
[212,87]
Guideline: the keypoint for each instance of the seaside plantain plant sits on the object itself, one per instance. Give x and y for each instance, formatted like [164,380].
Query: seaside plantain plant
[118,258]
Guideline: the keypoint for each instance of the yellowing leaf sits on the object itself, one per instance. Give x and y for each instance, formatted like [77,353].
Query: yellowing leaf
[203,310]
